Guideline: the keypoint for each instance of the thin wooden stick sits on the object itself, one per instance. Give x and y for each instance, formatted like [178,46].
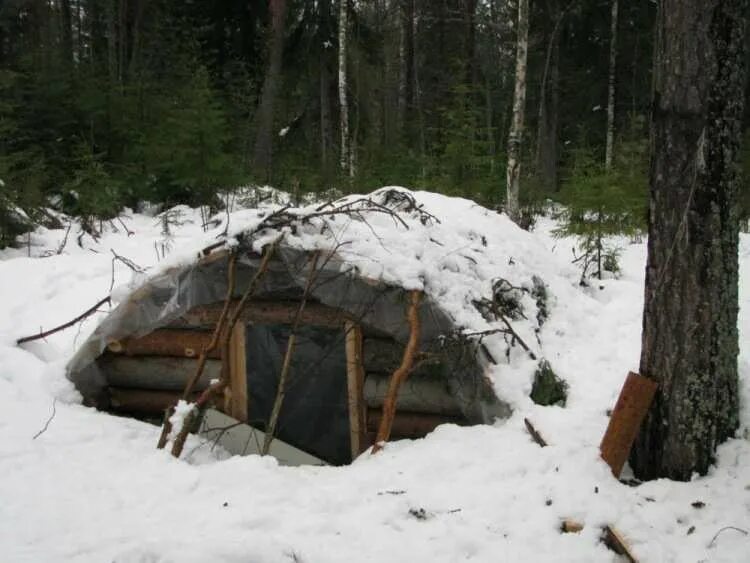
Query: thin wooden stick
[79,318]
[201,404]
[281,390]
[535,433]
[401,373]
[166,429]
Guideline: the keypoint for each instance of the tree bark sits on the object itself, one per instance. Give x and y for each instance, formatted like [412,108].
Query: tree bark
[513,174]
[405,60]
[611,88]
[263,149]
[343,102]
[325,86]
[66,35]
[549,97]
[690,340]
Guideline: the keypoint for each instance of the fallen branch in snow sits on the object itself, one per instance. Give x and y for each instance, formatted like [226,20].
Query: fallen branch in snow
[82,316]
[725,528]
[281,390]
[401,373]
[536,436]
[135,268]
[616,542]
[51,417]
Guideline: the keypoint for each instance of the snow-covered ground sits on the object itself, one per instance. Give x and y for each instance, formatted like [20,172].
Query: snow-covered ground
[92,487]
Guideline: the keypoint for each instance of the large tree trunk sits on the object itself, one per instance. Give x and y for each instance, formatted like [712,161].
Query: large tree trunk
[690,337]
[343,101]
[513,175]
[263,150]
[611,88]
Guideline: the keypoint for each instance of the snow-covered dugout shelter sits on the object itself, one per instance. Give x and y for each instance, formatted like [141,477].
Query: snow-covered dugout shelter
[343,272]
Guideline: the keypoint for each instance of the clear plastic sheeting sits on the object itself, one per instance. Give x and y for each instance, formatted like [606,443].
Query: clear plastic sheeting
[378,307]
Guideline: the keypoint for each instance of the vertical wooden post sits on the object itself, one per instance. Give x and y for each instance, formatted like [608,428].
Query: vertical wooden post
[355,378]
[632,406]
[237,407]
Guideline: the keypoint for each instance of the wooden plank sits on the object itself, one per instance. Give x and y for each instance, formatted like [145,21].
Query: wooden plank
[268,312]
[632,406]
[411,424]
[429,395]
[237,374]
[165,342]
[155,372]
[142,401]
[355,378]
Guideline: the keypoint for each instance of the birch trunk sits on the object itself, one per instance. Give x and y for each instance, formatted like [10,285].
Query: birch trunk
[611,89]
[343,102]
[513,175]
[690,338]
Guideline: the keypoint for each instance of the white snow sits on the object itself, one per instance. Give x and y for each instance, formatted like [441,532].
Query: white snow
[93,487]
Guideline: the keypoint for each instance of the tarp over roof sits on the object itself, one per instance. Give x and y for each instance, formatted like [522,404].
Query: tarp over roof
[372,250]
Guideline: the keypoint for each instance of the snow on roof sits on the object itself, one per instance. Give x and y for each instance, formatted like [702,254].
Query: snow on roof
[453,249]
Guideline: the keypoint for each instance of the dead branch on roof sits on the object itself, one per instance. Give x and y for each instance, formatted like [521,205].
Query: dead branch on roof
[281,390]
[401,373]
[79,318]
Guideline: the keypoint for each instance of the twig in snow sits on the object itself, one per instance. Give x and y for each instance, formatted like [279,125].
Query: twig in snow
[735,528]
[64,241]
[46,424]
[537,437]
[82,316]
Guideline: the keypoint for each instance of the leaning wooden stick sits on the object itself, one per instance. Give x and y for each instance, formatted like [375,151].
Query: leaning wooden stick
[281,390]
[224,332]
[167,425]
[536,436]
[401,373]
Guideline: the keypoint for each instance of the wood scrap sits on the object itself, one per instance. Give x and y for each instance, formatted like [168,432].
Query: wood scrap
[631,408]
[617,543]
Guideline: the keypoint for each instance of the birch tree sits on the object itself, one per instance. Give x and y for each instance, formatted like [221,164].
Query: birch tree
[611,87]
[345,160]
[513,175]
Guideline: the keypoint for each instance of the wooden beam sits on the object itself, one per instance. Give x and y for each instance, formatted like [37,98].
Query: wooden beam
[418,393]
[142,401]
[355,378]
[165,342]
[268,312]
[411,424]
[632,406]
[155,372]
[617,543]
[237,374]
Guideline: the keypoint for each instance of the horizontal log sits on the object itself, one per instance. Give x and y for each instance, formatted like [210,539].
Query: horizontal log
[166,342]
[410,424]
[428,395]
[268,312]
[155,372]
[143,401]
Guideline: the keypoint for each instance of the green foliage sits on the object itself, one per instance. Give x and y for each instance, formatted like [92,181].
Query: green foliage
[548,388]
[600,203]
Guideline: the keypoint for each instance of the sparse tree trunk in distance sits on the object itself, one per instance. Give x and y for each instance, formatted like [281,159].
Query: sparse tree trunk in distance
[263,150]
[405,59]
[609,150]
[513,175]
[690,340]
[66,32]
[343,102]
[325,85]
[549,96]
